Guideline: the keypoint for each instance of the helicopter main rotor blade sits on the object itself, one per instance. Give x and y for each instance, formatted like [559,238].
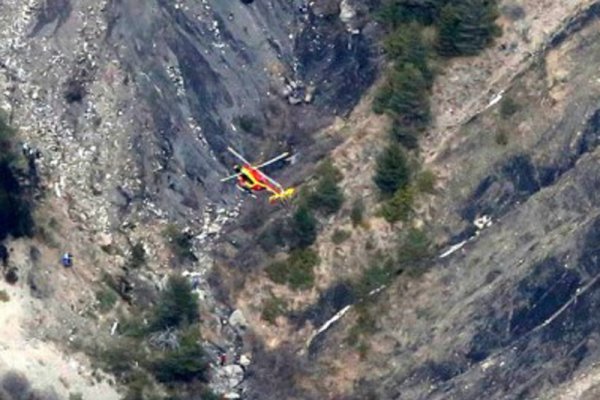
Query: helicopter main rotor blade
[271,161]
[230,177]
[238,155]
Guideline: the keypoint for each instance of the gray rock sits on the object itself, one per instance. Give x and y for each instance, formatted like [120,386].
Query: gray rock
[237,320]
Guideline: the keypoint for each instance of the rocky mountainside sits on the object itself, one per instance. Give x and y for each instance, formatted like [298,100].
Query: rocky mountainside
[506,308]
[127,108]
[131,104]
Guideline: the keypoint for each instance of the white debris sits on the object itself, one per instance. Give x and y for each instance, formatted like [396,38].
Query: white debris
[327,324]
[495,99]
[452,249]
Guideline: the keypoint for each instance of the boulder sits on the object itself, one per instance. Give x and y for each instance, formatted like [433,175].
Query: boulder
[237,320]
[234,375]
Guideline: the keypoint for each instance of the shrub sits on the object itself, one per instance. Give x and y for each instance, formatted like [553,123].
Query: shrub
[467,26]
[502,138]
[339,236]
[297,271]
[392,171]
[273,237]
[249,124]
[185,364]
[508,107]
[177,305]
[303,228]
[380,274]
[327,196]
[273,308]
[120,358]
[356,212]
[180,243]
[138,256]
[4,297]
[425,182]
[399,207]
[106,298]
[365,324]
[328,169]
[415,247]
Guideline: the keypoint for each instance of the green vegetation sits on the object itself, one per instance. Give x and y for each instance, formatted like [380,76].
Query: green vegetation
[297,271]
[107,299]
[405,46]
[303,228]
[467,26]
[415,247]
[177,306]
[273,308]
[400,206]
[357,212]
[138,256]
[501,138]
[405,135]
[326,197]
[365,325]
[4,297]
[339,236]
[15,209]
[418,33]
[509,107]
[405,97]
[180,243]
[392,170]
[425,182]
[186,363]
[378,275]
[249,124]
[168,348]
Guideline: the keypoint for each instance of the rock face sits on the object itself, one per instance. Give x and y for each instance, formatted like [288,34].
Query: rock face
[512,315]
[133,103]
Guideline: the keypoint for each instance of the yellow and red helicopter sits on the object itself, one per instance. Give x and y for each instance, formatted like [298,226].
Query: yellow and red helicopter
[251,180]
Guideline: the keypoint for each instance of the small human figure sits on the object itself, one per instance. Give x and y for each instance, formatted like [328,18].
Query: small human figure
[67,260]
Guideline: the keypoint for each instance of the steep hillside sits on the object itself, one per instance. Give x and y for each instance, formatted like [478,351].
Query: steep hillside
[516,160]
[124,110]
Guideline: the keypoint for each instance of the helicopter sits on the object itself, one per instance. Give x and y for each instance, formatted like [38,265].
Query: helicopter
[251,179]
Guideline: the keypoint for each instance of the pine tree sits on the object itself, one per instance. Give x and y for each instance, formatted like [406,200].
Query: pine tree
[409,101]
[396,12]
[177,306]
[405,46]
[303,228]
[467,26]
[392,171]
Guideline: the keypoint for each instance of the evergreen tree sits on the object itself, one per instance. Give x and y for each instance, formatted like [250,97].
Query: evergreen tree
[303,228]
[396,12]
[186,363]
[405,46]
[407,136]
[392,170]
[327,196]
[467,26]
[177,306]
[409,100]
